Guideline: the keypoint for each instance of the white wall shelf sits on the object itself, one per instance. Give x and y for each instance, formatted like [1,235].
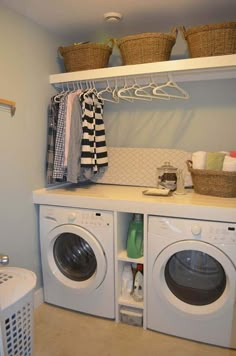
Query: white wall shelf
[190,69]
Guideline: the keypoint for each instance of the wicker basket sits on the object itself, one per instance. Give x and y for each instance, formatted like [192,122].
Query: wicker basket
[216,183]
[147,47]
[86,56]
[211,40]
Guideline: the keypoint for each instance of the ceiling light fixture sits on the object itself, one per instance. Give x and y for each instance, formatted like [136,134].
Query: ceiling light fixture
[112,16]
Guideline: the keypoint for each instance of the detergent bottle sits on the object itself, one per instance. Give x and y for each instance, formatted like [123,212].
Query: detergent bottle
[135,237]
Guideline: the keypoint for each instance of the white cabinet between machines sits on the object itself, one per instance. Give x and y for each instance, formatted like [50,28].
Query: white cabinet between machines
[122,223]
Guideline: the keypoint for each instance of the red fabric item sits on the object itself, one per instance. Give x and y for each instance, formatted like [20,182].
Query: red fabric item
[233,154]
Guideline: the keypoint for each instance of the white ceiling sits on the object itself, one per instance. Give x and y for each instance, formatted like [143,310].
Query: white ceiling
[83,20]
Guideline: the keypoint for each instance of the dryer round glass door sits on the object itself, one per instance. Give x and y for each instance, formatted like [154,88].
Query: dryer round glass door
[76,258]
[195,277]
[193,274]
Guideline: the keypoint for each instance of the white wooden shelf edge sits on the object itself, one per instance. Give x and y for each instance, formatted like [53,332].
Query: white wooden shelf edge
[130,303]
[190,69]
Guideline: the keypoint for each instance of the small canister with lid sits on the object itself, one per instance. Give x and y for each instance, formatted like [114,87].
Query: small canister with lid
[166,176]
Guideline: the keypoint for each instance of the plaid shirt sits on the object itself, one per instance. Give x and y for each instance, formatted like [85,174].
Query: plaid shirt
[52,131]
[58,168]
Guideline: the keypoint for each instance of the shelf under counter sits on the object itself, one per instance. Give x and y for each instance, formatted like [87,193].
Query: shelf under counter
[130,303]
[122,256]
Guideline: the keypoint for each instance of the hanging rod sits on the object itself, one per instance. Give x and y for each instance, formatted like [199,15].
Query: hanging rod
[10,103]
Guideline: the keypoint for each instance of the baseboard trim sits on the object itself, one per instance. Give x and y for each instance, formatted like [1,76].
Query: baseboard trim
[38,297]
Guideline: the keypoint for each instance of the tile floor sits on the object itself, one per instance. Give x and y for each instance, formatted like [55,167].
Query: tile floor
[60,332]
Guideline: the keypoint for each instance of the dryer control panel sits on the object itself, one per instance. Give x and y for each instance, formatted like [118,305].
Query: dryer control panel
[182,229]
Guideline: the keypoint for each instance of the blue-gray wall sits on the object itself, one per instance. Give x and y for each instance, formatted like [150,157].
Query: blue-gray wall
[28,55]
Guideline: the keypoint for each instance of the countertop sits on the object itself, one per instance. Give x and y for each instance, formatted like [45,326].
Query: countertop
[131,199]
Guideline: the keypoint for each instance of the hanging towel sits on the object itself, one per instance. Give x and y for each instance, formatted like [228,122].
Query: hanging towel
[101,156]
[199,160]
[93,149]
[229,164]
[215,160]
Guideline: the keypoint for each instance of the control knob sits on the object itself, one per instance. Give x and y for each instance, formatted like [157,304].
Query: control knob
[196,230]
[71,217]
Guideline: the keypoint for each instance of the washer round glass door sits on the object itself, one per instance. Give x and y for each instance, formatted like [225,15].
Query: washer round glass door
[192,274]
[76,258]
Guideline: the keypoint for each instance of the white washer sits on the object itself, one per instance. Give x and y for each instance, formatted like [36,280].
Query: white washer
[77,251]
[192,279]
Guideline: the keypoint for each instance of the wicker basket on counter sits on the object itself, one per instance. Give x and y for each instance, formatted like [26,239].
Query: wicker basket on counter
[146,47]
[211,182]
[84,56]
[211,40]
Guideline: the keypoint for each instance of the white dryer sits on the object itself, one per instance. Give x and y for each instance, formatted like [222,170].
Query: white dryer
[78,259]
[192,279]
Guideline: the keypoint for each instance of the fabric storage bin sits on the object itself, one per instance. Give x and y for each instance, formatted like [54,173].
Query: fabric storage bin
[211,182]
[146,47]
[211,40]
[131,316]
[84,56]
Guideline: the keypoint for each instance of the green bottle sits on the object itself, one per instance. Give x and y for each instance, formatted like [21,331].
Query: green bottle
[135,237]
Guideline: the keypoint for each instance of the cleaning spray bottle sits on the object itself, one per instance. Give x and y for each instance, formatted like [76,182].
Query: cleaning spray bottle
[135,237]
[138,286]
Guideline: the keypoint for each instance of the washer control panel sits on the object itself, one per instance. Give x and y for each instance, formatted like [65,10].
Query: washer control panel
[82,217]
[89,218]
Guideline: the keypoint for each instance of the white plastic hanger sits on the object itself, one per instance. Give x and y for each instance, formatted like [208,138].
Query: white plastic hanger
[172,85]
[115,92]
[125,89]
[143,93]
[64,91]
[102,94]
[130,90]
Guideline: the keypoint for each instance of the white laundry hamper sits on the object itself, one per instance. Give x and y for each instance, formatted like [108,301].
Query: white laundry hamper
[16,311]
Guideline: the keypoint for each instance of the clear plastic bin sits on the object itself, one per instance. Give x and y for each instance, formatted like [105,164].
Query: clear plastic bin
[16,311]
[131,316]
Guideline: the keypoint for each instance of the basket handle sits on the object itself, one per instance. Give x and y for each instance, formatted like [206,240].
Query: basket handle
[184,32]
[110,42]
[189,164]
[174,32]
[60,50]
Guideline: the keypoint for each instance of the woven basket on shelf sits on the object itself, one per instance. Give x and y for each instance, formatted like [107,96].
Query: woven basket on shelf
[211,40]
[210,182]
[147,47]
[85,56]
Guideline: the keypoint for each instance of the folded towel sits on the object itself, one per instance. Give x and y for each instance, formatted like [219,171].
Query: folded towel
[233,153]
[214,160]
[229,164]
[199,159]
